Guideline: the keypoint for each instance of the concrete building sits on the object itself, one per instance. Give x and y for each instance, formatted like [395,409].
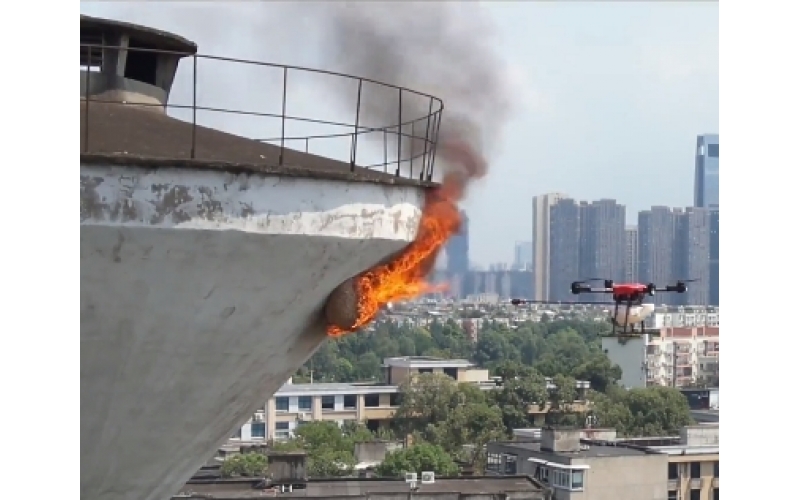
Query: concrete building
[565,248]
[369,403]
[206,258]
[541,243]
[657,250]
[692,254]
[631,254]
[674,357]
[602,242]
[594,464]
[457,249]
[523,255]
[706,195]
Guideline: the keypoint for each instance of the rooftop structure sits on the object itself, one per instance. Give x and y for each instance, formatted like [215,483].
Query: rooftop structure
[595,464]
[207,256]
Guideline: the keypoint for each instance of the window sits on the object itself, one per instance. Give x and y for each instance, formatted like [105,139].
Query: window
[510,464]
[560,478]
[715,495]
[451,372]
[493,462]
[716,469]
[425,370]
[237,434]
[282,404]
[672,495]
[258,430]
[141,65]
[350,402]
[694,494]
[304,403]
[328,403]
[713,150]
[672,471]
[394,399]
[694,470]
[577,480]
[281,426]
[372,400]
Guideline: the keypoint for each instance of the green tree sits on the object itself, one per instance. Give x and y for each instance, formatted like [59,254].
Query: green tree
[247,465]
[418,458]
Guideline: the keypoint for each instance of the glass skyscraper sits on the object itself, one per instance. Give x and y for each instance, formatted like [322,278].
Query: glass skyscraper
[706,195]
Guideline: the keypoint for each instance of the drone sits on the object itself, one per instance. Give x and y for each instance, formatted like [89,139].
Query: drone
[628,300]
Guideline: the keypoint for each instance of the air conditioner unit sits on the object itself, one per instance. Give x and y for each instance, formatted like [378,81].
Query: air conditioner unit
[428,477]
[411,477]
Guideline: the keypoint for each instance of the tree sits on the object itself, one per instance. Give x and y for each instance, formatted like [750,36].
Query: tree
[418,458]
[247,465]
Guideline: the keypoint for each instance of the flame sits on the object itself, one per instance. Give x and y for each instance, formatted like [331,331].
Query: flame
[404,277]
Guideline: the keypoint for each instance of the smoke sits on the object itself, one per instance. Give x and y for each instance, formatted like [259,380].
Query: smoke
[444,49]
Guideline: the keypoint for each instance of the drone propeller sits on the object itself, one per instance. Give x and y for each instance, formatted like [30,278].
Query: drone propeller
[689,281]
[518,302]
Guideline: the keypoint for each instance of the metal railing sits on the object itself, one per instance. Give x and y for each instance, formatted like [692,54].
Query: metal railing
[406,147]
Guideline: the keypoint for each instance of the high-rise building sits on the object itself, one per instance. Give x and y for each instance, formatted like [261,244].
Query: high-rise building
[631,254]
[706,195]
[523,255]
[541,243]
[565,232]
[706,171]
[692,254]
[656,250]
[602,240]
[457,248]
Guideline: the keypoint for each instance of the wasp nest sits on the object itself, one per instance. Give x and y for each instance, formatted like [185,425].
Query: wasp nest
[341,309]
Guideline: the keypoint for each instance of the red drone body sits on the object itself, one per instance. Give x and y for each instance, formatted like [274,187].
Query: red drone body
[628,291]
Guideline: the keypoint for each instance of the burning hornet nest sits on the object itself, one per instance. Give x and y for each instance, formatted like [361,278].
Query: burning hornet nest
[341,309]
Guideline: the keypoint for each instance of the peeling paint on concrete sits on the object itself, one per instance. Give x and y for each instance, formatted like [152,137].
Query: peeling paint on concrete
[201,293]
[180,198]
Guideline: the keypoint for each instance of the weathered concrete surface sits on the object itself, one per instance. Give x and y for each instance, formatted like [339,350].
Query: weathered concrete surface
[201,292]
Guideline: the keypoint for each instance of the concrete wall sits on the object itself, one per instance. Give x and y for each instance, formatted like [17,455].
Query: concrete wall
[622,478]
[201,294]
[630,356]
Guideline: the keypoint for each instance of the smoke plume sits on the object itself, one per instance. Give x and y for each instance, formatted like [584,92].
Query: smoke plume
[444,49]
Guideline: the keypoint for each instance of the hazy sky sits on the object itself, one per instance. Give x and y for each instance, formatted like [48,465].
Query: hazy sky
[611,97]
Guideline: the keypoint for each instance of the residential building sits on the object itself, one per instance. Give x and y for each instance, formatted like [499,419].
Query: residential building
[565,239]
[706,195]
[372,404]
[657,250]
[593,464]
[602,241]
[692,254]
[523,255]
[671,356]
[457,248]
[541,243]
[631,254]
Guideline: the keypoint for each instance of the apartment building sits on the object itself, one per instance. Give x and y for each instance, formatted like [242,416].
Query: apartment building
[593,464]
[670,356]
[683,317]
[372,404]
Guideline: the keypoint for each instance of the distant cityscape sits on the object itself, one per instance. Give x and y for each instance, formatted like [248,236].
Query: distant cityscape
[574,239]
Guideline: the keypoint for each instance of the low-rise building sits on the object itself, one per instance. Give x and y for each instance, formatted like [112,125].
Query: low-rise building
[372,404]
[594,465]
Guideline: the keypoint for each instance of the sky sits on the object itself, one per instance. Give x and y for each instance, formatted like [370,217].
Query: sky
[610,97]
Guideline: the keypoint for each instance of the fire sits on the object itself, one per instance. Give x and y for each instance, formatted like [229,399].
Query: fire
[404,277]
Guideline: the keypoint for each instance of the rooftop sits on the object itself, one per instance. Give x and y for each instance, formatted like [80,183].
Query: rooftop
[427,362]
[333,389]
[587,450]
[349,487]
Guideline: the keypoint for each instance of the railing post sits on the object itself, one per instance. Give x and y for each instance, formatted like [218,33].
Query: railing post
[399,130]
[425,160]
[193,152]
[385,150]
[86,98]
[306,145]
[283,115]
[436,138]
[411,154]
[354,145]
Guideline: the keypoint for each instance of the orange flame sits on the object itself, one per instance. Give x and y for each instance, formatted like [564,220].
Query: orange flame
[404,276]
